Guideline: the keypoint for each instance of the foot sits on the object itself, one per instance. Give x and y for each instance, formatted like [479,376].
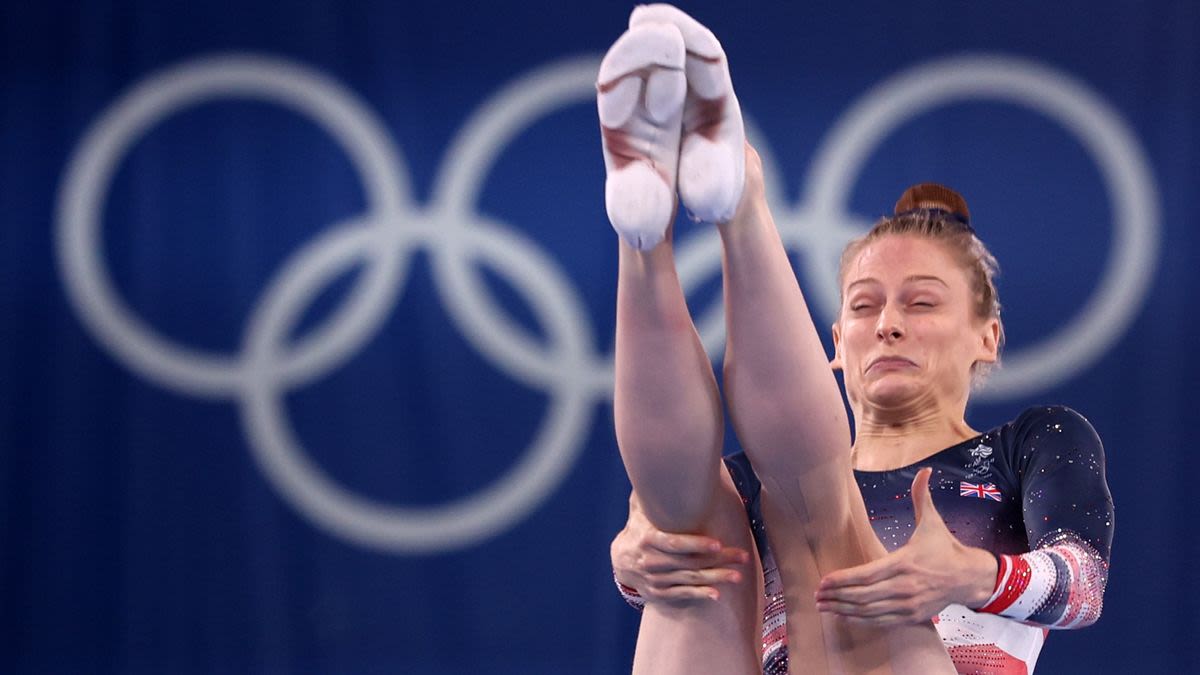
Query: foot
[712,155]
[641,91]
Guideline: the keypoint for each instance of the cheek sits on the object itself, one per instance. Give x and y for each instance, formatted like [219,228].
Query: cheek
[856,337]
[949,342]
[936,339]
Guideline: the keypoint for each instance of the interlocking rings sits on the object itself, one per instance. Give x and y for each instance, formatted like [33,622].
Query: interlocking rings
[1106,315]
[569,368]
[382,240]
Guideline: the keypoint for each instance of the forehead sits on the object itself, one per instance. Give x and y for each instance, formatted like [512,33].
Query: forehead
[894,258]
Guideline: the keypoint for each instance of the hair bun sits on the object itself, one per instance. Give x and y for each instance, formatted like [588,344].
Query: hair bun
[935,196]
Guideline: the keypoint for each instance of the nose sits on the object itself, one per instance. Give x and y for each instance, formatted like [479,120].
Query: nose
[890,327]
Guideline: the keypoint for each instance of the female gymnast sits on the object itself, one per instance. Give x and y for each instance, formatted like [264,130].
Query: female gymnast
[1030,518]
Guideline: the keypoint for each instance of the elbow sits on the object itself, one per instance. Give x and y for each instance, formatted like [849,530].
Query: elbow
[1092,615]
[1083,609]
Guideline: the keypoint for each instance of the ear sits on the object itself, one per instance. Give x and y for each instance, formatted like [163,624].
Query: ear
[836,362]
[989,346]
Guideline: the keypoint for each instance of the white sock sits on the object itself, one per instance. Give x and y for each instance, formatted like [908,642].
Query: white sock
[640,100]
[712,161]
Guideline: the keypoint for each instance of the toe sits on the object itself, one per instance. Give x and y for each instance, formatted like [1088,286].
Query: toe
[640,49]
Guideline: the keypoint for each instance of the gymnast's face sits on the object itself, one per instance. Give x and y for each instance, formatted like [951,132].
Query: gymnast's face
[907,337]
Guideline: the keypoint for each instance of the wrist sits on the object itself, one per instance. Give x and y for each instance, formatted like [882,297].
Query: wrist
[625,583]
[980,576]
[629,593]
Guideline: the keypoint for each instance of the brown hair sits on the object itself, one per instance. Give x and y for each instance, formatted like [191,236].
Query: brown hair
[936,212]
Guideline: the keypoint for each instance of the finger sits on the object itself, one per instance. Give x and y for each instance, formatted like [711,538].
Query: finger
[869,573]
[922,499]
[731,556]
[706,577]
[883,591]
[675,594]
[683,543]
[658,562]
[870,610]
[881,621]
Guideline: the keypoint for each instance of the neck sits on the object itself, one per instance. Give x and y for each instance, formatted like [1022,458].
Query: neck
[890,439]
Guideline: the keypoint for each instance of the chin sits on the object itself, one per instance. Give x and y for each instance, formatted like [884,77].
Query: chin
[892,394]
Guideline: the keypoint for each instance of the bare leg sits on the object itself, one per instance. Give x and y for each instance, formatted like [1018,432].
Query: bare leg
[670,430]
[789,416]
[667,409]
[785,403]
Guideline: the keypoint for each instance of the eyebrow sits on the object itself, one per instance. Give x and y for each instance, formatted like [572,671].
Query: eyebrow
[926,277]
[909,279]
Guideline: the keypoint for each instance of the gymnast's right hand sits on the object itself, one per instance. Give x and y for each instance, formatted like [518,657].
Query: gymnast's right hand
[673,568]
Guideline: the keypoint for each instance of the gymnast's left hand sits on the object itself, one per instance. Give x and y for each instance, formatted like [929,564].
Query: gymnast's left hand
[916,581]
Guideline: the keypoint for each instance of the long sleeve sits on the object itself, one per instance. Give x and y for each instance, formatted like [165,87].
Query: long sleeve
[630,595]
[1068,513]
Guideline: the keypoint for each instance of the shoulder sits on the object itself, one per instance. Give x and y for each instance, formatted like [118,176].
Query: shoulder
[1048,431]
[1048,421]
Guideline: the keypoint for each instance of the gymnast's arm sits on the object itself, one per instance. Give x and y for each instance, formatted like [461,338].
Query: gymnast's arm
[1060,582]
[650,565]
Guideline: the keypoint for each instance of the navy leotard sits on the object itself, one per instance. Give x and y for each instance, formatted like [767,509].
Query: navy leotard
[1033,489]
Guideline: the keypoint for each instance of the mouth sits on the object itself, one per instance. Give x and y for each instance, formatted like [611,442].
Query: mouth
[889,363]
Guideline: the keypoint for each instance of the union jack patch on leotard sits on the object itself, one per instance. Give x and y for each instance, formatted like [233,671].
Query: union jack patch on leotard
[979,490]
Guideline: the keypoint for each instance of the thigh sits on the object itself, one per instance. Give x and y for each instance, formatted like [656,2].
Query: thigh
[721,636]
[817,523]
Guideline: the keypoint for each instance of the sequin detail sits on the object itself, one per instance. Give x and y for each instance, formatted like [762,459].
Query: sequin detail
[1048,465]
[774,636]
[1060,585]
[986,660]
[629,594]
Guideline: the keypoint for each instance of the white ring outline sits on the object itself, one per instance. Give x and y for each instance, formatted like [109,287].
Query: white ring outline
[1121,161]
[410,530]
[89,174]
[460,178]
[379,237]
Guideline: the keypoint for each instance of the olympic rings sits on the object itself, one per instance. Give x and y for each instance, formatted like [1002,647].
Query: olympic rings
[569,368]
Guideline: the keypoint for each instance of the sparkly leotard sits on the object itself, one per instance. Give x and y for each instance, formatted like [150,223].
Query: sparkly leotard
[1032,491]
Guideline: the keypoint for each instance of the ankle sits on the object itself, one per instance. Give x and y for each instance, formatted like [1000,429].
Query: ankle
[752,214]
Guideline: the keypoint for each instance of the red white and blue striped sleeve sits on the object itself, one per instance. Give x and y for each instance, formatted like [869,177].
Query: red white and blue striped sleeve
[1059,586]
[1068,513]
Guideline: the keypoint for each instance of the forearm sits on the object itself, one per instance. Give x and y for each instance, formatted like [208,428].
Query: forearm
[650,565]
[977,577]
[1058,586]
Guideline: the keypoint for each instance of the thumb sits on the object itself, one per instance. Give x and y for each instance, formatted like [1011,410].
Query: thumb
[923,507]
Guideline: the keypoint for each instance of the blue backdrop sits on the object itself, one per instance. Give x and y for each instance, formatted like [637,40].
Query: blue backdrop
[307,308]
